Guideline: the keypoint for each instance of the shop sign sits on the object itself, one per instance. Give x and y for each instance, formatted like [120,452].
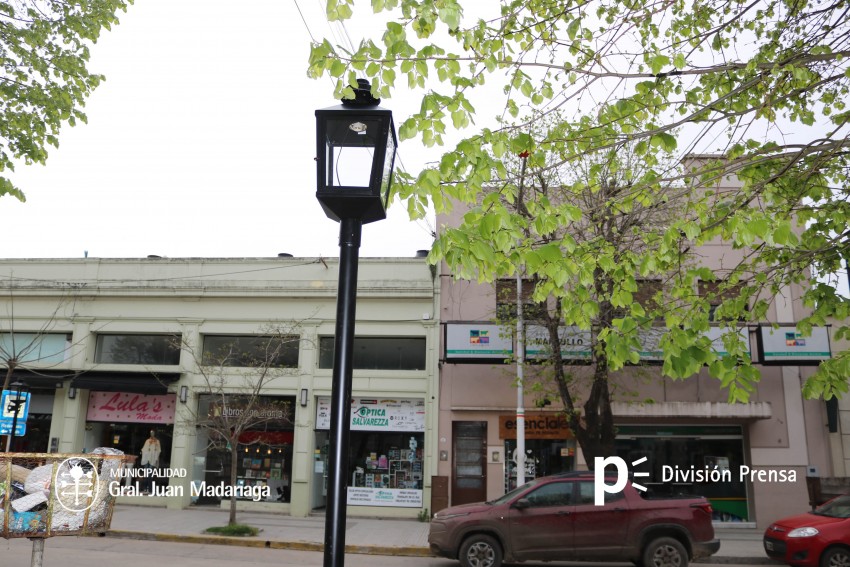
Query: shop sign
[263,410]
[397,497]
[478,341]
[122,407]
[537,426]
[786,345]
[575,343]
[376,414]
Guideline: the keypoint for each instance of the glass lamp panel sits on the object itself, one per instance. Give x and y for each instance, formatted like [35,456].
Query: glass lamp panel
[389,158]
[350,150]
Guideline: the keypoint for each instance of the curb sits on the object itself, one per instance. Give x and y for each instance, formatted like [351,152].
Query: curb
[255,542]
[400,551]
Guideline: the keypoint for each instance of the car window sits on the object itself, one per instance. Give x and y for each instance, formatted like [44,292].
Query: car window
[587,494]
[552,494]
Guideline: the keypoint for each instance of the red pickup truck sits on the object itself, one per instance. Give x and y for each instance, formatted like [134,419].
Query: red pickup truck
[554,519]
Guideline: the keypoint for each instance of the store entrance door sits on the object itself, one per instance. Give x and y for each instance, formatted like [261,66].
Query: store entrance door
[469,481]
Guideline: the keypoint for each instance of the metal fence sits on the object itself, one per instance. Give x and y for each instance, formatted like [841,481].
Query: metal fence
[53,494]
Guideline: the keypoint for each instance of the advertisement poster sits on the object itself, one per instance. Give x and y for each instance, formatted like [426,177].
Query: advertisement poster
[403,498]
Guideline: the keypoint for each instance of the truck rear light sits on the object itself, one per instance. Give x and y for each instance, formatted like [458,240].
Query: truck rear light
[705,507]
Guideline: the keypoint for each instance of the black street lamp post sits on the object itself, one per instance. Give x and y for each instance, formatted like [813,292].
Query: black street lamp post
[355,149]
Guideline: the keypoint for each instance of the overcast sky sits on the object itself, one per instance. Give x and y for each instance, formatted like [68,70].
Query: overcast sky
[200,143]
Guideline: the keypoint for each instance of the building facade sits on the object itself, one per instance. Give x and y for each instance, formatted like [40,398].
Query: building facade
[113,352]
[768,446]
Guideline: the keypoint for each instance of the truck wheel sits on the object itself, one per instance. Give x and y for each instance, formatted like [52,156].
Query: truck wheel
[665,552]
[835,557]
[480,550]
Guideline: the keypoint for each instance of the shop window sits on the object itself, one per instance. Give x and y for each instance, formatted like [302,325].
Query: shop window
[506,301]
[379,353]
[138,349]
[386,460]
[35,348]
[252,351]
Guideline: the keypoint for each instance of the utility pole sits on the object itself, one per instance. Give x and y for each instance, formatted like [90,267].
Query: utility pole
[520,376]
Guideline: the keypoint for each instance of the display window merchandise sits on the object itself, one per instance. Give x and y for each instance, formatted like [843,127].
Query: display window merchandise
[386,448]
[264,450]
[550,447]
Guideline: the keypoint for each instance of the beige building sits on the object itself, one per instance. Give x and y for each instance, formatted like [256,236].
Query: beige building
[768,445]
[103,369]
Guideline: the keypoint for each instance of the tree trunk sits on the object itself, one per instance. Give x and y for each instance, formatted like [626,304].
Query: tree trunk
[10,369]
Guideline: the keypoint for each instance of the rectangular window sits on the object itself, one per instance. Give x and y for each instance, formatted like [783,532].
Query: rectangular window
[279,351]
[647,296]
[35,348]
[716,296]
[379,353]
[138,349]
[506,300]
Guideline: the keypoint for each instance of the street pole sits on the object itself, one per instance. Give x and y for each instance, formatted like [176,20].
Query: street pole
[520,376]
[349,248]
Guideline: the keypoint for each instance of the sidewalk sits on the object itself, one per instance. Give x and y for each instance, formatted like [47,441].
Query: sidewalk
[362,535]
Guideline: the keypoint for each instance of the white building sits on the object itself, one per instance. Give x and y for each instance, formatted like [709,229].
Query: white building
[106,371]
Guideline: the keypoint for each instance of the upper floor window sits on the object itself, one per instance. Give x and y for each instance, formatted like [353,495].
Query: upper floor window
[716,295]
[138,349]
[506,304]
[647,296]
[379,353]
[35,348]
[280,351]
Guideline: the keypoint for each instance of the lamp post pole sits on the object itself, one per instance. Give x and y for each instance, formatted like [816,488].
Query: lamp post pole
[355,153]
[349,249]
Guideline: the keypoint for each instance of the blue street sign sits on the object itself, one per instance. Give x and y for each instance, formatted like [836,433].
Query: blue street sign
[20,428]
[7,412]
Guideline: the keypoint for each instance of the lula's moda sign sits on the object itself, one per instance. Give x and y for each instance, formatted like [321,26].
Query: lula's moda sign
[131,408]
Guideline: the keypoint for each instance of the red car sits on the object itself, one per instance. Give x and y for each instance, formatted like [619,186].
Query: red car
[815,539]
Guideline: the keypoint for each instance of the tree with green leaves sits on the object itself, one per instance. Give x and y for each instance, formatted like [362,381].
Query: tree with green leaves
[751,91]
[44,79]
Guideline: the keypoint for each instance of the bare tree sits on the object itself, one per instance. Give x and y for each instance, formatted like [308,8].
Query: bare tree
[236,372]
[30,348]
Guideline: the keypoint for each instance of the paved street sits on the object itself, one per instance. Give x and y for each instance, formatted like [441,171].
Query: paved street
[109,552]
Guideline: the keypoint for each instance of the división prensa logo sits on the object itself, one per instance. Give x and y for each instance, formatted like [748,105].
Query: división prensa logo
[76,484]
[600,488]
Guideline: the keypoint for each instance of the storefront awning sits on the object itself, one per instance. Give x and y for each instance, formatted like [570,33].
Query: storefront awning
[133,382]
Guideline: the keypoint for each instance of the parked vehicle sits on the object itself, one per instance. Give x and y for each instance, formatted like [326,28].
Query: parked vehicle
[554,519]
[820,538]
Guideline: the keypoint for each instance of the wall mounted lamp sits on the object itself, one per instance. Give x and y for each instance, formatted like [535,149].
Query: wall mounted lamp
[72,393]
[304,394]
[184,394]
